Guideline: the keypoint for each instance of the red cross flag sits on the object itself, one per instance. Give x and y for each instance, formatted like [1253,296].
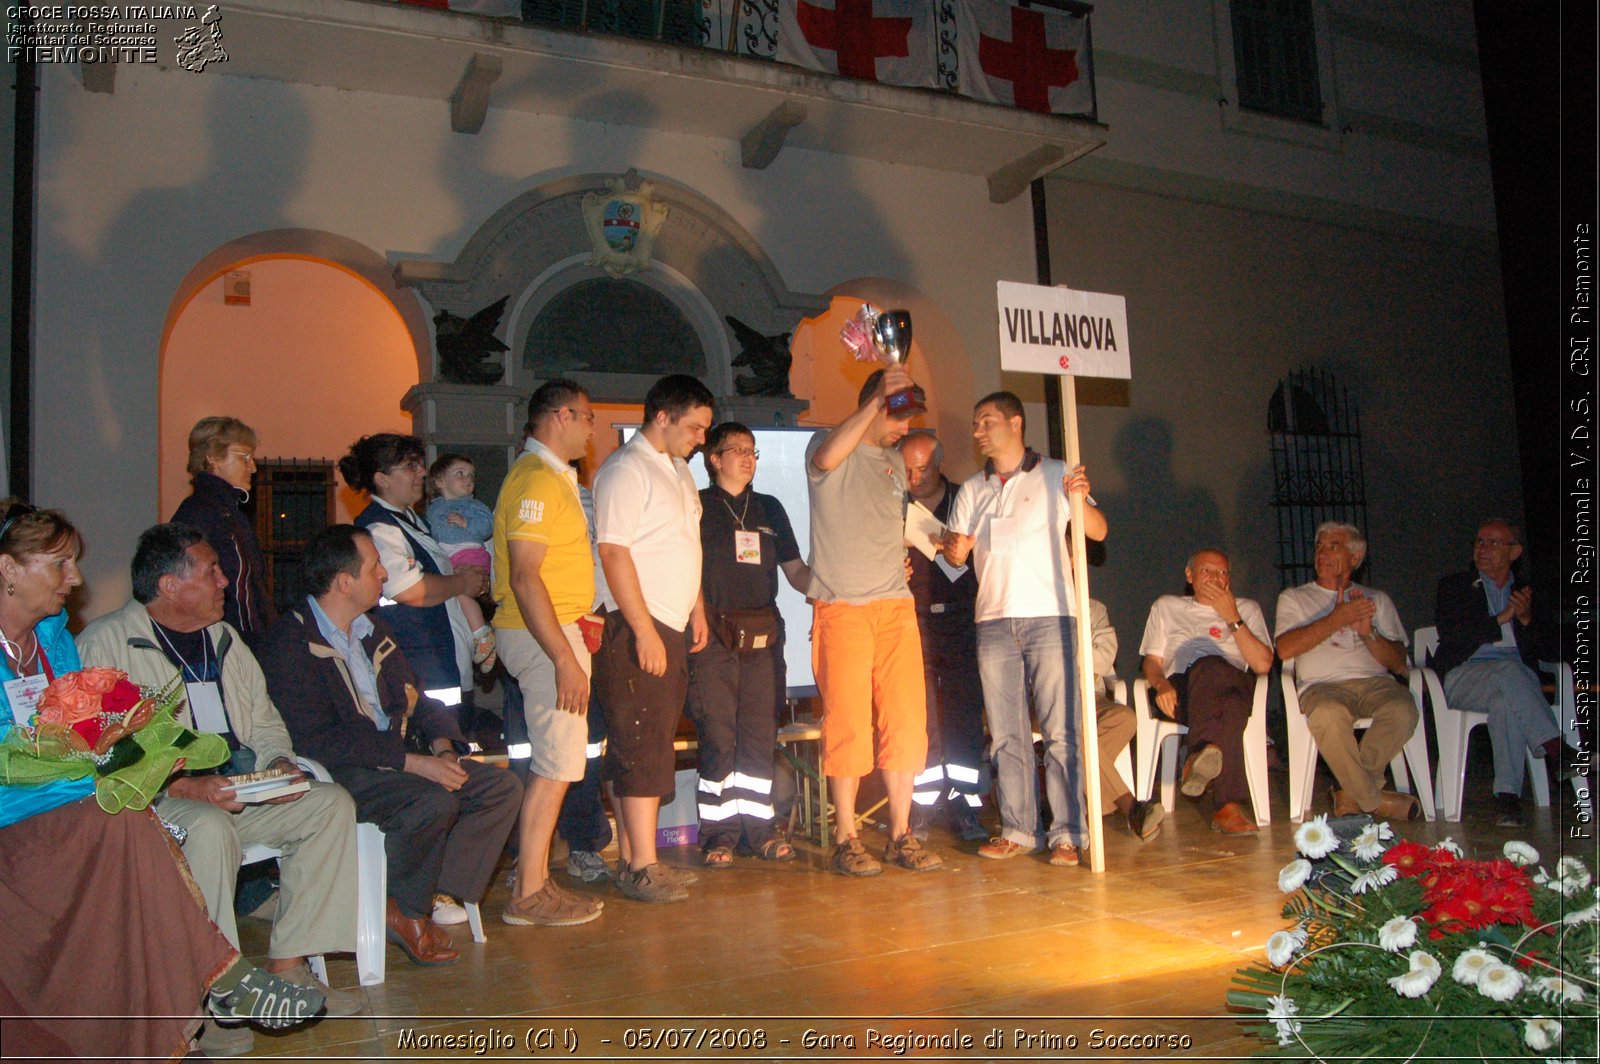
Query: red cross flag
[1030,58]
[888,41]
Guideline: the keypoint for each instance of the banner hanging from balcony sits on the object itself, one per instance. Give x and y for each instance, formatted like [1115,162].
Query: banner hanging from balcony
[496,8]
[887,41]
[1029,58]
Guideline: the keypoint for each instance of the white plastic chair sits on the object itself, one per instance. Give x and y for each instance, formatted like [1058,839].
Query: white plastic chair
[1303,752]
[372,894]
[1454,728]
[1157,737]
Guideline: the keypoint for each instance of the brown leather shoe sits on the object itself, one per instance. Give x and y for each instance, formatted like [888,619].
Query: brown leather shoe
[1392,805]
[415,936]
[1231,819]
[1342,802]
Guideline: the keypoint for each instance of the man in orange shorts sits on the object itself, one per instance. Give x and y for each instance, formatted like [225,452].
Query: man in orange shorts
[865,646]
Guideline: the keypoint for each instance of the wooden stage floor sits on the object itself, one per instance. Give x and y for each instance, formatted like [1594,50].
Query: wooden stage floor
[767,952]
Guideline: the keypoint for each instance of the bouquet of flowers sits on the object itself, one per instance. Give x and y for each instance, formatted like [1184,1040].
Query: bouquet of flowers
[95,723]
[1403,951]
[859,334]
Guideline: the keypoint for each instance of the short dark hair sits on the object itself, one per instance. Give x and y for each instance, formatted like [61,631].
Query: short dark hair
[675,395]
[378,453]
[331,552]
[552,396]
[162,550]
[441,465]
[869,386]
[716,437]
[1005,402]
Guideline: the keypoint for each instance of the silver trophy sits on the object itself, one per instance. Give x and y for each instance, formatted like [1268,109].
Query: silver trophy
[891,338]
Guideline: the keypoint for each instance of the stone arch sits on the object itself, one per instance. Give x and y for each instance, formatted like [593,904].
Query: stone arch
[704,260]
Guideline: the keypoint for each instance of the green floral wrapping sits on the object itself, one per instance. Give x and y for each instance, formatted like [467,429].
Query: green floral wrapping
[129,776]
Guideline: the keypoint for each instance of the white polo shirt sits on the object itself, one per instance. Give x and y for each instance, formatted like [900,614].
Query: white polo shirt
[647,502]
[1342,656]
[1181,631]
[1021,552]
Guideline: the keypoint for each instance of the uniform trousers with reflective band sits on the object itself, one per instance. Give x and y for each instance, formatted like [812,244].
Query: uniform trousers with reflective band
[955,708]
[317,872]
[1332,709]
[641,710]
[1520,718]
[1214,702]
[1016,656]
[582,821]
[1114,728]
[734,709]
[868,662]
[437,841]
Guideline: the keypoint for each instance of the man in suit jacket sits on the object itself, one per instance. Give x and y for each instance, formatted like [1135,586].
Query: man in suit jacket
[1488,646]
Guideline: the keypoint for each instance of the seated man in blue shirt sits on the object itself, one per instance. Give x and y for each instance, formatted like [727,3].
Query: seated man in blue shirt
[349,697]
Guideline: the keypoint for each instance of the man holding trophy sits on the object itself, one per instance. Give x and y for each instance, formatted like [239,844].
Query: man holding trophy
[865,638]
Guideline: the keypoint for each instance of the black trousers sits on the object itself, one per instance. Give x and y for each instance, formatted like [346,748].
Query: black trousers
[1214,702]
[733,704]
[955,704]
[436,840]
[642,711]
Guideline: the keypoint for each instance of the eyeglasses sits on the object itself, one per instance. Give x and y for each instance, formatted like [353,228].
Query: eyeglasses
[413,466]
[587,415]
[247,457]
[1481,542]
[15,512]
[741,452]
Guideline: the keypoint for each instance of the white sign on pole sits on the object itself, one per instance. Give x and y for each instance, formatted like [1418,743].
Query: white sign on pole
[1062,331]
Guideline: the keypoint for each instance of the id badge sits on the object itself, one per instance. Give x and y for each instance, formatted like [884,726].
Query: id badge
[1002,534]
[205,707]
[747,547]
[24,693]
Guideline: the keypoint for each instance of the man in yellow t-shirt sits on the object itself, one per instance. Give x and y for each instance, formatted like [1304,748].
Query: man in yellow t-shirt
[544,581]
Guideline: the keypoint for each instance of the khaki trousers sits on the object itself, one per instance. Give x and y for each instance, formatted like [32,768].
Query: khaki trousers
[1332,710]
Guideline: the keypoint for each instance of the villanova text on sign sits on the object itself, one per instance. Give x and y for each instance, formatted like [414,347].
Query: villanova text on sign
[1060,330]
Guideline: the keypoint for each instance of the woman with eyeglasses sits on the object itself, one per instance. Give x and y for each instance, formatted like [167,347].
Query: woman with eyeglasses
[745,538]
[223,465]
[78,882]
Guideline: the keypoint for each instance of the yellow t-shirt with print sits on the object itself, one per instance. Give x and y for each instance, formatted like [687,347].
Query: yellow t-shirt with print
[539,503]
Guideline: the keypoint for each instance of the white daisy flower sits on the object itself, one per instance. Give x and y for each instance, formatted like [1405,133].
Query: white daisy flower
[1555,988]
[1521,854]
[1570,868]
[1499,982]
[1470,965]
[1294,875]
[1315,839]
[1583,916]
[1451,847]
[1398,934]
[1283,945]
[1281,1010]
[1541,1032]
[1380,876]
[1369,844]
[1423,974]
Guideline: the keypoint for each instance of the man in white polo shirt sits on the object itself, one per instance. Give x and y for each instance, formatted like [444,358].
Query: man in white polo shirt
[1014,514]
[1348,647]
[647,523]
[1202,654]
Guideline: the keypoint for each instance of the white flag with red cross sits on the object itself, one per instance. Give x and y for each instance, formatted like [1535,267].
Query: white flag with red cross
[887,41]
[1030,58]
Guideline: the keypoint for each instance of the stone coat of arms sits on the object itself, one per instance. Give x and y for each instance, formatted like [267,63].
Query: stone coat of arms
[622,223]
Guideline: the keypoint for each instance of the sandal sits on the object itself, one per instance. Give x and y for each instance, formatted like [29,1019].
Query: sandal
[850,858]
[719,857]
[776,849]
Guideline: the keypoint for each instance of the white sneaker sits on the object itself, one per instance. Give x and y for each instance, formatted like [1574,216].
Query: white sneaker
[446,910]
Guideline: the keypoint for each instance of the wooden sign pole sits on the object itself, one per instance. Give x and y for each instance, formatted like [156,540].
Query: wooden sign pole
[1088,731]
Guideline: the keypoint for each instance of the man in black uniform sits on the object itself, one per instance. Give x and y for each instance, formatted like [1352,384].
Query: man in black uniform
[944,597]
[745,538]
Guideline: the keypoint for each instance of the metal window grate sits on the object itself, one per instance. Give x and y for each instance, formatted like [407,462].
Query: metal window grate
[1317,474]
[292,501]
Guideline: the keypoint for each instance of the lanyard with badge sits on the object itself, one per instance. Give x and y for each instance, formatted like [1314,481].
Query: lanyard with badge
[24,692]
[205,696]
[746,545]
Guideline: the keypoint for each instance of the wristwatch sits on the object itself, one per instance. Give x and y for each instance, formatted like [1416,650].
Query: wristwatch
[1234,626]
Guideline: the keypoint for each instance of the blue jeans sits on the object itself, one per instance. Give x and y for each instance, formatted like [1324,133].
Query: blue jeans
[1015,656]
[1520,720]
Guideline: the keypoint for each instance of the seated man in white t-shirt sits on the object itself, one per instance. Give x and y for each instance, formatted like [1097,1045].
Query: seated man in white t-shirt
[1348,647]
[1202,654]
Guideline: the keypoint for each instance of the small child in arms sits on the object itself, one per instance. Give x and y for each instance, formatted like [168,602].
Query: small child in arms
[461,521]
